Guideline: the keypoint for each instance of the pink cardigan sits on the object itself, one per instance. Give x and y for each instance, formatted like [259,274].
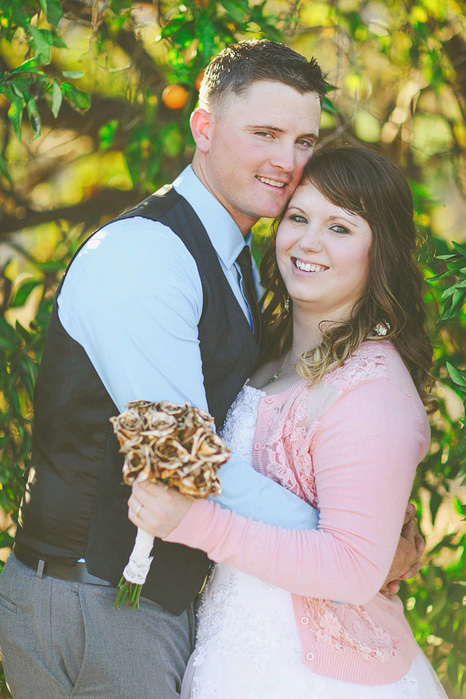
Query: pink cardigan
[350,446]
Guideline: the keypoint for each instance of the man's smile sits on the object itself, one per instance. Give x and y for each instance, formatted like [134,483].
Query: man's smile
[272,183]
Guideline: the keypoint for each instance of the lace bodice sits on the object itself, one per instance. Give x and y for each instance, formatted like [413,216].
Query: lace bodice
[240,423]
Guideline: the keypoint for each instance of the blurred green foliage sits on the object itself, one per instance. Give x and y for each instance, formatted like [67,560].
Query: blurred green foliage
[97,136]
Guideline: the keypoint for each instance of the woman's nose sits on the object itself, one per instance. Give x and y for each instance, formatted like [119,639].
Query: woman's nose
[312,238]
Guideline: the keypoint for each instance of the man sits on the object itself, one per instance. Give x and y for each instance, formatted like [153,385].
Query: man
[156,305]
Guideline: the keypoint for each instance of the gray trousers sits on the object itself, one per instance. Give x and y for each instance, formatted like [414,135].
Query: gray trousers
[64,639]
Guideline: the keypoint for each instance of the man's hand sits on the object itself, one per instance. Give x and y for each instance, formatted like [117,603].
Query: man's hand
[407,561]
[157,509]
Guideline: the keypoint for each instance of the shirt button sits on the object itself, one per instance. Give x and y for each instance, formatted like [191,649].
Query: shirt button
[309,656]
[269,399]
[304,620]
[257,445]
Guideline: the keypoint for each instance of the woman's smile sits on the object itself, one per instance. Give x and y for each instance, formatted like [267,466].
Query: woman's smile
[307,267]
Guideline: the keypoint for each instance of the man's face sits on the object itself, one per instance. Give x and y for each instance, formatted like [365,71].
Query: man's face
[259,143]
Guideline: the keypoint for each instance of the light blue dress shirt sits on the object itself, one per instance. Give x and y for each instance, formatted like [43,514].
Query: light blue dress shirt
[133,299]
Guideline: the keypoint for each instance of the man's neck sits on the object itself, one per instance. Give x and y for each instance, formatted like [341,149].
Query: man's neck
[245,223]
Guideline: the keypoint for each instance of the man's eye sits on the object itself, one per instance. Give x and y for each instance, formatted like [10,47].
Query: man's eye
[264,133]
[339,229]
[306,144]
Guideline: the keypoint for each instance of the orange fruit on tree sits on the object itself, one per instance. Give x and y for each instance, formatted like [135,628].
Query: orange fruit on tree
[175,96]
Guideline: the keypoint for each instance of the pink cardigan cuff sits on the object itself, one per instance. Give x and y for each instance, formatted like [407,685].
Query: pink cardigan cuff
[196,522]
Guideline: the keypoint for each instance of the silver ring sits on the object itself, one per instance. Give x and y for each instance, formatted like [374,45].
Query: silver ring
[138,510]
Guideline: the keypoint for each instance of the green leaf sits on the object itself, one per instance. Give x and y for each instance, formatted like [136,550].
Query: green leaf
[435,502]
[41,40]
[52,10]
[23,293]
[436,277]
[57,98]
[4,168]
[172,140]
[455,375]
[79,99]
[459,248]
[107,134]
[58,42]
[15,115]
[459,507]
[29,66]
[457,299]
[34,117]
[448,292]
[328,106]
[8,337]
[72,73]
[6,540]
[234,10]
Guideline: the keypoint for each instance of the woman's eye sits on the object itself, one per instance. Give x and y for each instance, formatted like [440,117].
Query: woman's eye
[339,229]
[298,218]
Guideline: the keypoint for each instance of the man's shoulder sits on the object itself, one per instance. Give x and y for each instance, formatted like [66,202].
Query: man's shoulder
[131,238]
[132,254]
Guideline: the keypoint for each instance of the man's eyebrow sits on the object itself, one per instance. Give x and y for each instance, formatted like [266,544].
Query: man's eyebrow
[277,128]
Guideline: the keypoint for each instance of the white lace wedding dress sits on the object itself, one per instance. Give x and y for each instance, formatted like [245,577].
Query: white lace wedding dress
[247,643]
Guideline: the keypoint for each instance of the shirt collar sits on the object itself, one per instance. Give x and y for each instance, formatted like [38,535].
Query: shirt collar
[224,234]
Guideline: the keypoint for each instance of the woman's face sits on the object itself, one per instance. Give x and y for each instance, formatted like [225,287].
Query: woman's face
[323,254]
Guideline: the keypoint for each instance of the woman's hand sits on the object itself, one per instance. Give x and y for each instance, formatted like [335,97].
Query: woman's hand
[156,508]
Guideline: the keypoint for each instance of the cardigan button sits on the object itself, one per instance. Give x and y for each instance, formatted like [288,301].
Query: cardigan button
[309,656]
[269,399]
[304,620]
[257,446]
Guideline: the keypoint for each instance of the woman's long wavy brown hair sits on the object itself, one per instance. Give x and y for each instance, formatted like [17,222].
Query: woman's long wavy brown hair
[366,183]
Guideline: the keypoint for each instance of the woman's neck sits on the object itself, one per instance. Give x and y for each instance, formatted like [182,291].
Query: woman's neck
[306,334]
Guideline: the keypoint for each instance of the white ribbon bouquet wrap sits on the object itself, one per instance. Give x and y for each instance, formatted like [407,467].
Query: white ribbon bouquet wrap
[171,444]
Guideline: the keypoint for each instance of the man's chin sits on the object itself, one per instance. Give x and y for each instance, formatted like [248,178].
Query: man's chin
[271,211]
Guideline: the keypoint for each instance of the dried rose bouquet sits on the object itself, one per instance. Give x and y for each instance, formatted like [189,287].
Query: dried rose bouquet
[171,444]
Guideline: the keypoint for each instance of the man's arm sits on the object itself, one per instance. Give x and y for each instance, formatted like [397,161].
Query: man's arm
[133,299]
[407,561]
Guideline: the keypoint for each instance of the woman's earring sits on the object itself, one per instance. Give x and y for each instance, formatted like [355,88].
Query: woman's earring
[286,305]
[382,328]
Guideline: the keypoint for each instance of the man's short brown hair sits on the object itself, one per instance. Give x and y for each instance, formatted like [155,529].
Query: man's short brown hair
[240,65]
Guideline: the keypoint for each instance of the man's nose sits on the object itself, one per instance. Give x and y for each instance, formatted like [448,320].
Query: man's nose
[284,157]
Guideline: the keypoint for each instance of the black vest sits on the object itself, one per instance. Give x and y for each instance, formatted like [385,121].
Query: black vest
[75,502]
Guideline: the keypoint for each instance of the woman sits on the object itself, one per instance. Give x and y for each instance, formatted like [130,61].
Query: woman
[336,415]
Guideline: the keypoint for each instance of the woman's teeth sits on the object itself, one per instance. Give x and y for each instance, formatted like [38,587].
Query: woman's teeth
[309,267]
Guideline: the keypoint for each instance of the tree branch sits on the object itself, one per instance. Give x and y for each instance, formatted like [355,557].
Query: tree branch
[104,204]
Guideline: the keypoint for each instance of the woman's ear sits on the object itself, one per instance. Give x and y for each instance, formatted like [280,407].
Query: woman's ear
[201,122]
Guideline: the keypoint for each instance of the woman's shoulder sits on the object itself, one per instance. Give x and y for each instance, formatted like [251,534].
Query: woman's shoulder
[371,361]
[367,362]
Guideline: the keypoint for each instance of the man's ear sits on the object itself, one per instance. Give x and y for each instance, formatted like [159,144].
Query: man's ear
[201,123]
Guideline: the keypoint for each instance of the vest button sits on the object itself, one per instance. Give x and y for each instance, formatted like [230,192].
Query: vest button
[269,399]
[304,620]
[309,656]
[257,445]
